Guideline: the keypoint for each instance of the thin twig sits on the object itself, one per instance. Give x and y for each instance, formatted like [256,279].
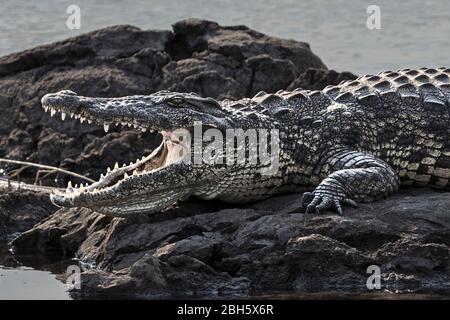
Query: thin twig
[25,163]
[16,172]
[38,174]
[7,184]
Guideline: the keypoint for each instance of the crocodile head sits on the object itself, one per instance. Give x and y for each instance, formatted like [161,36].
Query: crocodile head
[155,181]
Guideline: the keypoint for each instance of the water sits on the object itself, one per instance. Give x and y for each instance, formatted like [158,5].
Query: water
[31,277]
[28,284]
[413,33]
[38,277]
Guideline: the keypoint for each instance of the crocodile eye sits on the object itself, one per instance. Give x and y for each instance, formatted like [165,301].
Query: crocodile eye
[175,101]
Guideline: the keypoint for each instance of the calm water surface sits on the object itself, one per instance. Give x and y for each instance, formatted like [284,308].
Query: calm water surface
[31,277]
[34,277]
[413,33]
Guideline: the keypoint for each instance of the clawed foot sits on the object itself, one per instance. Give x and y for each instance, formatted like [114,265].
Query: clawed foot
[317,201]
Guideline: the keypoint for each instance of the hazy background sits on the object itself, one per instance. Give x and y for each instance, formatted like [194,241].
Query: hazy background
[414,33]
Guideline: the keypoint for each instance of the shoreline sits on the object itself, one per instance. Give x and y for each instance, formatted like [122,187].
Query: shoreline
[198,246]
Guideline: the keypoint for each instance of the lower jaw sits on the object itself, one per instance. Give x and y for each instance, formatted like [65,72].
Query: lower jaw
[133,198]
[164,156]
[144,204]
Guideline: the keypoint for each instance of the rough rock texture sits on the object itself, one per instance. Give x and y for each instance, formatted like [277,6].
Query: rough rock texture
[263,247]
[317,79]
[20,211]
[197,55]
[201,247]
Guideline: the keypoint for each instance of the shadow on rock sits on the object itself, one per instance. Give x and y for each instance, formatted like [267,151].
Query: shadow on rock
[264,247]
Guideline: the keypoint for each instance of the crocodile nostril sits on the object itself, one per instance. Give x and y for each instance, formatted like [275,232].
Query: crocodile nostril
[67,92]
[45,99]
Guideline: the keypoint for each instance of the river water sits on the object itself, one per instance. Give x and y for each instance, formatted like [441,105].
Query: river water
[31,276]
[38,277]
[413,33]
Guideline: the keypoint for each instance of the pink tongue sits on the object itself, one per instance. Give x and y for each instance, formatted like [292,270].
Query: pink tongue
[178,135]
[175,152]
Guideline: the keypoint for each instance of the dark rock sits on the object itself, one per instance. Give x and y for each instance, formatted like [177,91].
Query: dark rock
[259,248]
[197,55]
[270,74]
[52,147]
[320,263]
[21,211]
[200,247]
[233,62]
[317,79]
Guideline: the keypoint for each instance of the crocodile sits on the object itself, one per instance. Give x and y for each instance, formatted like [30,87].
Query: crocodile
[355,142]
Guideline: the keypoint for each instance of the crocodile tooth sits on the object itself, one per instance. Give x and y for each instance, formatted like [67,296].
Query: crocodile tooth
[89,121]
[129,124]
[63,116]
[69,185]
[71,115]
[143,129]
[76,186]
[77,116]
[81,188]
[106,127]
[124,165]
[82,119]
[45,109]
[135,126]
[108,170]
[101,176]
[52,112]
[116,166]
[125,176]
[135,173]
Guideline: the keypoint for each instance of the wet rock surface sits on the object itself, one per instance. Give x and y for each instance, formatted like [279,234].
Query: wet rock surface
[198,56]
[20,211]
[262,247]
[202,247]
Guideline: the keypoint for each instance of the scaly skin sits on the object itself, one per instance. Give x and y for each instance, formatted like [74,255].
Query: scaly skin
[355,142]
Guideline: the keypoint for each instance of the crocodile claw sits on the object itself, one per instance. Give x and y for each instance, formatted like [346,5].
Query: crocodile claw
[317,203]
[307,198]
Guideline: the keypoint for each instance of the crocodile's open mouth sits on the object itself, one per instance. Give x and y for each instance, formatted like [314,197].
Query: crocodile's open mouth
[172,150]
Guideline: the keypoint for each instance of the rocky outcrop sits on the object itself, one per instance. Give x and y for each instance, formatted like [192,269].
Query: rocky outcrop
[264,247]
[197,55]
[20,211]
[201,247]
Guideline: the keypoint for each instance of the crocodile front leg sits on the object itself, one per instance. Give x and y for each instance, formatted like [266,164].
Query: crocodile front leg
[351,177]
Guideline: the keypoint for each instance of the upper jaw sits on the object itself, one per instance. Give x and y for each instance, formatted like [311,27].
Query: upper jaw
[147,113]
[164,180]
[123,182]
[101,111]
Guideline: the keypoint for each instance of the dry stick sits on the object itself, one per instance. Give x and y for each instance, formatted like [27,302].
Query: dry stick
[38,175]
[6,184]
[48,168]
[16,172]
